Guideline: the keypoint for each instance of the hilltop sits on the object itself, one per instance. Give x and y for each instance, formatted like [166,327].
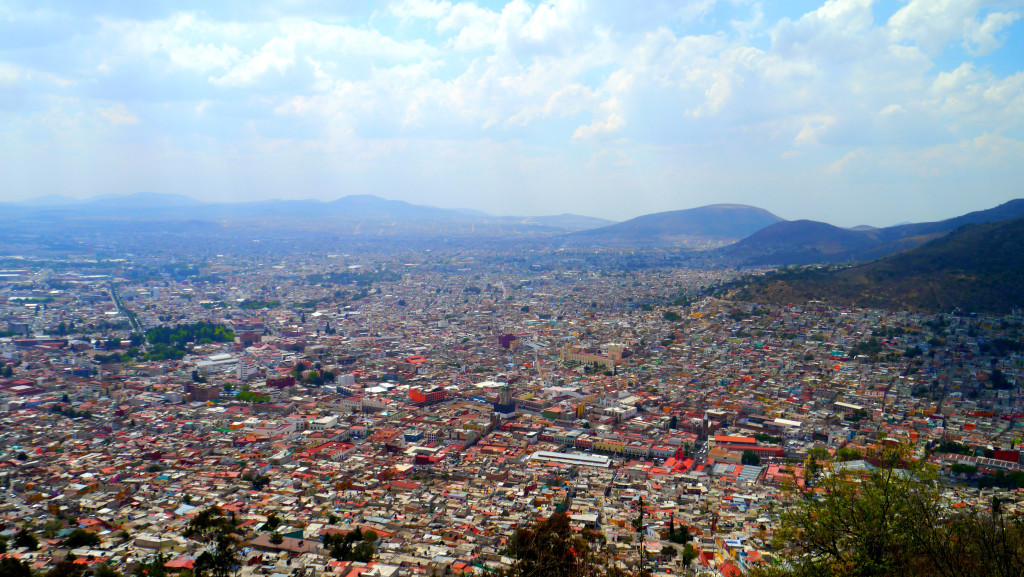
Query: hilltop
[811,242]
[976,268]
[702,227]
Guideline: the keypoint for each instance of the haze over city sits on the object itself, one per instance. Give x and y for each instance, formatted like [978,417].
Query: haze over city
[851,111]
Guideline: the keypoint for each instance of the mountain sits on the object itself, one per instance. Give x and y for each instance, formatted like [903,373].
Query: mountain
[367,205]
[148,205]
[363,215]
[977,268]
[811,242]
[49,200]
[703,227]
[568,221]
[139,200]
[801,242]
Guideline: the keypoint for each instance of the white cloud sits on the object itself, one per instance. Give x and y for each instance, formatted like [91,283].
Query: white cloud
[278,54]
[836,168]
[813,128]
[933,24]
[118,114]
[172,38]
[676,87]
[610,124]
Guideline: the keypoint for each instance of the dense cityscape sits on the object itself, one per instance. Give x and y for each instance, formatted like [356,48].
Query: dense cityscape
[400,412]
[511,288]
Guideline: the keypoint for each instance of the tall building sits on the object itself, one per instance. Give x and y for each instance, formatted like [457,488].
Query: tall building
[247,368]
[505,406]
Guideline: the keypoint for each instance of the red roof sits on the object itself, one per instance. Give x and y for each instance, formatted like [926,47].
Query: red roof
[181,563]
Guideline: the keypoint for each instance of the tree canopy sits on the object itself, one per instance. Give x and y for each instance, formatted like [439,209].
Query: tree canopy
[201,332]
[352,546]
[81,538]
[550,549]
[750,458]
[214,530]
[892,521]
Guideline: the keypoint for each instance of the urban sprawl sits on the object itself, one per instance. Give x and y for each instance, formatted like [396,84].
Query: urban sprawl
[438,402]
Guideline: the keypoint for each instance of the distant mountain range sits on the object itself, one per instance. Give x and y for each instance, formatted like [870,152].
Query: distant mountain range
[730,234]
[356,214]
[146,204]
[697,228]
[811,242]
[977,268]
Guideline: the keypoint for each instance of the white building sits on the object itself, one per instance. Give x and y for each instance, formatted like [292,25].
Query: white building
[247,368]
[323,423]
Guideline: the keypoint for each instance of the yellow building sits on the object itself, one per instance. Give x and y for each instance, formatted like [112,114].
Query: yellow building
[609,446]
[610,355]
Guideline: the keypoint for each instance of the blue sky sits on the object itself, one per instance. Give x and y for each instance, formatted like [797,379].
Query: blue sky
[848,111]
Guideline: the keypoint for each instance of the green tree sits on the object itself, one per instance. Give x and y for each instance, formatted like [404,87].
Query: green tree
[349,547]
[681,536]
[25,539]
[848,454]
[999,380]
[152,566]
[551,549]
[81,538]
[11,567]
[105,570]
[750,458]
[892,521]
[689,554]
[51,528]
[66,568]
[276,538]
[258,482]
[856,525]
[215,531]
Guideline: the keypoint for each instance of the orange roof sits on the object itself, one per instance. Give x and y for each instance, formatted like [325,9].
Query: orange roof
[735,439]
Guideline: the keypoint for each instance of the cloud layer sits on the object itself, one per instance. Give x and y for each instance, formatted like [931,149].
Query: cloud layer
[852,112]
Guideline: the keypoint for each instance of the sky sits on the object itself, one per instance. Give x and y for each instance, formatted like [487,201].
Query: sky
[848,111]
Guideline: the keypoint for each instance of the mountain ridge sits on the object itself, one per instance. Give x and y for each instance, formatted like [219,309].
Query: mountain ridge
[149,206]
[713,224]
[976,268]
[799,242]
